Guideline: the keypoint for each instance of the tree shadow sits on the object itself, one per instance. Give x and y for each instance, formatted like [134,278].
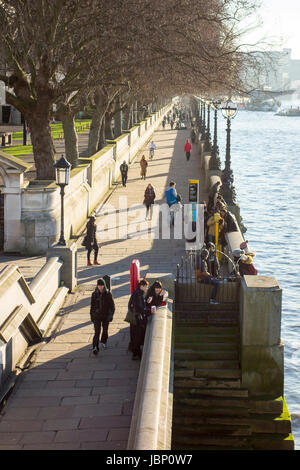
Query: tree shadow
[74,399]
[97,392]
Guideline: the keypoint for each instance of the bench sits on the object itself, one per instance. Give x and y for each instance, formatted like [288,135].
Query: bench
[5,138]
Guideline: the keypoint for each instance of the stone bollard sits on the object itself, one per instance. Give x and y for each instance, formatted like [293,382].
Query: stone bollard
[261,347]
[68,254]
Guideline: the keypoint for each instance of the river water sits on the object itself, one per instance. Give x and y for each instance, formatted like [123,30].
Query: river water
[265,157]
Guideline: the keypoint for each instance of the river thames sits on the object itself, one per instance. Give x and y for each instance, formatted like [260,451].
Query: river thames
[265,157]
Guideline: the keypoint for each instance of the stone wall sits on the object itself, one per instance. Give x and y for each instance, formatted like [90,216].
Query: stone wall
[262,352]
[27,310]
[151,424]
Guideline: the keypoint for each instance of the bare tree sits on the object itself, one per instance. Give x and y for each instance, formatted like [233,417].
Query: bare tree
[65,51]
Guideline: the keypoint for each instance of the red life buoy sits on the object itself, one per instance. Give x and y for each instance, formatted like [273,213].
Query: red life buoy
[134,275]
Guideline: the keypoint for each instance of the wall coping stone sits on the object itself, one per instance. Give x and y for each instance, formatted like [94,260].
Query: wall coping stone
[261,282]
[151,418]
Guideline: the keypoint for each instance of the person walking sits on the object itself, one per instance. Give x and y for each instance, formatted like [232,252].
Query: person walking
[152,150]
[187,149]
[172,199]
[193,135]
[172,123]
[149,198]
[164,122]
[124,172]
[91,240]
[102,311]
[143,164]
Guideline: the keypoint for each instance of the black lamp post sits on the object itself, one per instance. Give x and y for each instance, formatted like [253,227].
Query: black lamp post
[229,110]
[207,137]
[201,115]
[62,170]
[215,163]
[203,122]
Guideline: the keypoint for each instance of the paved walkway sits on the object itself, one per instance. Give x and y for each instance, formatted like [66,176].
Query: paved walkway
[70,399]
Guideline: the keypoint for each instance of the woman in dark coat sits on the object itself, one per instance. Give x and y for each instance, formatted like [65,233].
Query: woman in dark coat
[149,198]
[143,165]
[102,312]
[91,240]
[156,295]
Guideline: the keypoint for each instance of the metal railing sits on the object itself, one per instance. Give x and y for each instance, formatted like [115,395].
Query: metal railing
[188,288]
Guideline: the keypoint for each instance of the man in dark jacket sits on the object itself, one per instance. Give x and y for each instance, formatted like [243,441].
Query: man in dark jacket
[124,172]
[102,312]
[229,225]
[142,311]
[91,240]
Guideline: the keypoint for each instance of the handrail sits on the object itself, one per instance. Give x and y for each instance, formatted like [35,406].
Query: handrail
[152,413]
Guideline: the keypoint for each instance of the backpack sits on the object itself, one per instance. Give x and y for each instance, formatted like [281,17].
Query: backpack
[130,316]
[170,196]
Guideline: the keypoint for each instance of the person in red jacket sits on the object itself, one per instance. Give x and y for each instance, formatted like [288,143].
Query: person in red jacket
[187,149]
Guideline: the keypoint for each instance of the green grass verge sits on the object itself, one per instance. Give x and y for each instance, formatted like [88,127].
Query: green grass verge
[18,150]
[57,129]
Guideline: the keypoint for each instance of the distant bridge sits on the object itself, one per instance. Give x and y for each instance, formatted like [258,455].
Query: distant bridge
[272,93]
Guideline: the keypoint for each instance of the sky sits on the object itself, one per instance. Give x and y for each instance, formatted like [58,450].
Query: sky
[281,24]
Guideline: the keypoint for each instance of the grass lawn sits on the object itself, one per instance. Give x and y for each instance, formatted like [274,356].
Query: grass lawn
[57,129]
[18,150]
[57,132]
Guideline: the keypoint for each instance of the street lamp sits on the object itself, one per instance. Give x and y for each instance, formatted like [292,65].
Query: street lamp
[203,130]
[229,110]
[215,163]
[62,171]
[207,137]
[201,116]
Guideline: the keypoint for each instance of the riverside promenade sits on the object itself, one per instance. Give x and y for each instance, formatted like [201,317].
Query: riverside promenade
[68,398]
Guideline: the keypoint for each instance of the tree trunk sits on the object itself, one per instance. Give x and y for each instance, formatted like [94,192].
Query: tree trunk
[136,117]
[71,139]
[126,116]
[118,119]
[141,112]
[42,142]
[101,142]
[108,127]
[97,118]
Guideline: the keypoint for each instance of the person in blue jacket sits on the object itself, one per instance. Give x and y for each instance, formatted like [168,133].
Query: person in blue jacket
[172,198]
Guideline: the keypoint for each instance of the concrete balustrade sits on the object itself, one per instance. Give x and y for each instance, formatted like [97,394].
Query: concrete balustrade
[28,310]
[262,353]
[151,424]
